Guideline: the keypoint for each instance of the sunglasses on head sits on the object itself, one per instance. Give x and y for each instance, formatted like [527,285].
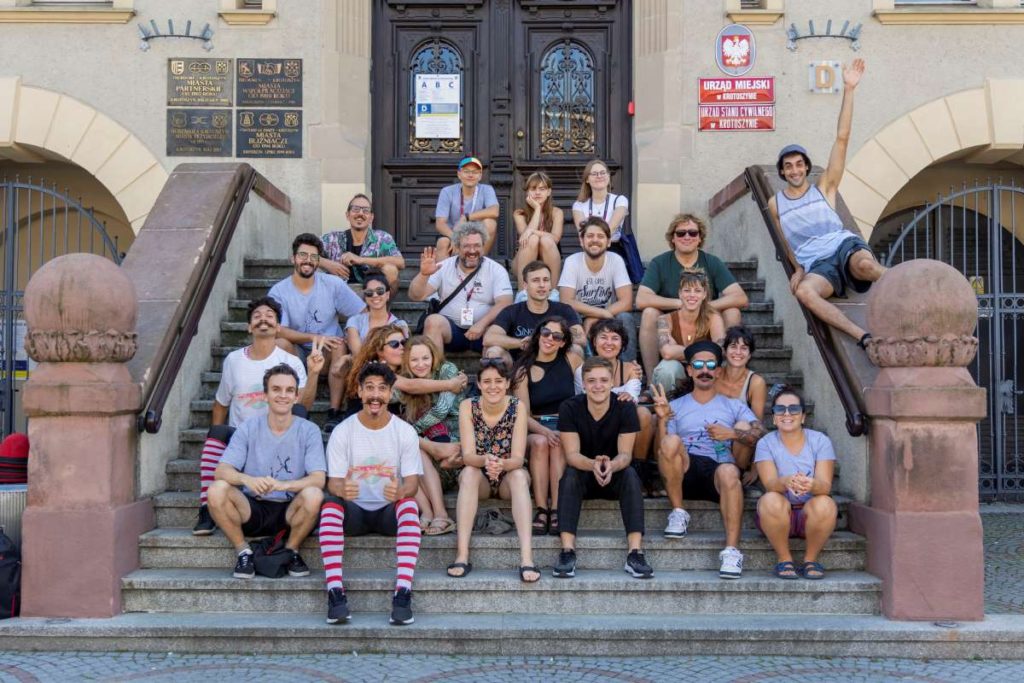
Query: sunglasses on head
[557,336]
[793,409]
[687,233]
[377,291]
[702,364]
[498,363]
[395,343]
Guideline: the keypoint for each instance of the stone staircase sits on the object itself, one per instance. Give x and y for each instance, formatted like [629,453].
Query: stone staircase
[181,575]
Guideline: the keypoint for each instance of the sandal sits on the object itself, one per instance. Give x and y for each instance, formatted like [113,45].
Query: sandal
[541,521]
[439,526]
[808,567]
[786,570]
[528,568]
[466,568]
[425,524]
[553,526]
[863,341]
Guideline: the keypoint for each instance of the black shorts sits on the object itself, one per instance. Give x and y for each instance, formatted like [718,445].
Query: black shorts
[359,521]
[459,341]
[836,268]
[266,518]
[699,481]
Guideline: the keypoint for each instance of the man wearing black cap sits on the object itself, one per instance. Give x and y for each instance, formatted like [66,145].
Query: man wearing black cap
[467,200]
[704,441]
[828,257]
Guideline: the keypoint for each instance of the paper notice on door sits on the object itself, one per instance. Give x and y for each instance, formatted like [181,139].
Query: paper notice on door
[437,105]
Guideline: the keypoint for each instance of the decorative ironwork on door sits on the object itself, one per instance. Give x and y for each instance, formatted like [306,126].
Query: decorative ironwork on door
[436,57]
[567,100]
[39,224]
[975,230]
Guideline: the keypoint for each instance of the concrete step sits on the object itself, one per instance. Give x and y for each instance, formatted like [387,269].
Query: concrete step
[512,635]
[606,592]
[178,509]
[598,549]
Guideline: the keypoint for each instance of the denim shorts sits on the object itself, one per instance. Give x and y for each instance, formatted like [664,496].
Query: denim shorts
[835,268]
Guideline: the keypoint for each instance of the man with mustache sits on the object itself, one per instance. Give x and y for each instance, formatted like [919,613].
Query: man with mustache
[704,441]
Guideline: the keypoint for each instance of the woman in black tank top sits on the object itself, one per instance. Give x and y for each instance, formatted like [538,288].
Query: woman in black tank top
[544,378]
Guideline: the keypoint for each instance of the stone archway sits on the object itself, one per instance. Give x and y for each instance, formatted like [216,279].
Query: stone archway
[981,126]
[37,124]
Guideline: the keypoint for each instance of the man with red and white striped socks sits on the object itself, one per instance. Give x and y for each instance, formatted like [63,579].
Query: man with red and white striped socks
[240,393]
[373,471]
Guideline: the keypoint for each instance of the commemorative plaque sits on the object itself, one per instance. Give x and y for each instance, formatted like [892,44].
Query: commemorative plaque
[269,83]
[198,132]
[268,133]
[199,82]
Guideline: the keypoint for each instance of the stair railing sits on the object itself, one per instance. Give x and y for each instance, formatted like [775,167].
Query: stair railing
[757,180]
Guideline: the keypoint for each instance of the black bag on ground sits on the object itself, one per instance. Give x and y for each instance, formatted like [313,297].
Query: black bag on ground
[269,556]
[10,577]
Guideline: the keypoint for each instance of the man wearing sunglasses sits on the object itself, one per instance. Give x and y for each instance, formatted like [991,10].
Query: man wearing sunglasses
[351,254]
[659,290]
[704,442]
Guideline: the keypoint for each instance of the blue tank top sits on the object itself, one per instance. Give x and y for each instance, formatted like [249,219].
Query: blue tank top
[811,226]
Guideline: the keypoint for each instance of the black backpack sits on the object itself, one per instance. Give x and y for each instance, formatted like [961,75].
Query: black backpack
[10,577]
[269,556]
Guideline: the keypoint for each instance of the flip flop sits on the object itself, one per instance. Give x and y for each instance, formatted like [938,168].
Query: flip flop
[440,526]
[466,568]
[553,526]
[813,567]
[528,568]
[786,567]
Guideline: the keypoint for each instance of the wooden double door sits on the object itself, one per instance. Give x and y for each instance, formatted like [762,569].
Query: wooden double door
[543,85]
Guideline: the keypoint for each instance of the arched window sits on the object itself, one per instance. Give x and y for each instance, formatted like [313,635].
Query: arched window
[436,57]
[567,100]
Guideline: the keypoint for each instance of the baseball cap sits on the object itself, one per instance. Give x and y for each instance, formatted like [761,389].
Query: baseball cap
[470,160]
[703,345]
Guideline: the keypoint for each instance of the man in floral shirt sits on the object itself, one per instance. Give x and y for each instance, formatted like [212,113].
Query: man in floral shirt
[349,254]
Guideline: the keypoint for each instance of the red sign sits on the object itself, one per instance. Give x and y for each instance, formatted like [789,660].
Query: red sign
[734,117]
[737,90]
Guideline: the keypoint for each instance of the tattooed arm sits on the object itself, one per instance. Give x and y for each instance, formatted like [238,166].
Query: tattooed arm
[666,344]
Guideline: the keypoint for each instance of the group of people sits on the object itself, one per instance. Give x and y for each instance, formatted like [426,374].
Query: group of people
[559,412]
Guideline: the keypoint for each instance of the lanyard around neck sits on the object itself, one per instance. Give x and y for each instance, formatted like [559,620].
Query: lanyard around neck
[604,210]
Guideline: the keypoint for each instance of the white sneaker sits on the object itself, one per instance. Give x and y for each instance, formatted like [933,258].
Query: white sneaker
[732,563]
[678,520]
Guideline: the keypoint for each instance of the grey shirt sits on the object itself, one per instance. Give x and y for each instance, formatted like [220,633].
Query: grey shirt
[258,452]
[316,312]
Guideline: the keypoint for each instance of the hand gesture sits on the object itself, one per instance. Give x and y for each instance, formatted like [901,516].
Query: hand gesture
[633,371]
[475,331]
[534,203]
[493,467]
[315,359]
[458,383]
[391,490]
[351,489]
[624,396]
[525,237]
[749,477]
[261,486]
[554,440]
[348,258]
[661,407]
[853,73]
[428,262]
[720,432]
[603,469]
[332,344]
[795,279]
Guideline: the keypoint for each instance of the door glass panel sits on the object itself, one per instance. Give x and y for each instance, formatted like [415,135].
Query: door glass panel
[567,100]
[436,57]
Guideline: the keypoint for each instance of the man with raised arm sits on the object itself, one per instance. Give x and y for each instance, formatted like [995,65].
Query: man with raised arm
[828,257]
[704,441]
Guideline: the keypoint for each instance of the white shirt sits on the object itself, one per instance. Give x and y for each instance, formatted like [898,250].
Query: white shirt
[490,282]
[372,457]
[595,289]
[241,382]
[605,210]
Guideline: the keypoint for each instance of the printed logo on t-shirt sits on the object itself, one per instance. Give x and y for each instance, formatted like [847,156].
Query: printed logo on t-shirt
[594,292]
[281,466]
[521,332]
[372,471]
[254,399]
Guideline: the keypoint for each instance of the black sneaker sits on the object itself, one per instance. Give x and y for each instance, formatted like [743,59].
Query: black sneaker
[401,607]
[337,606]
[637,566]
[296,566]
[332,421]
[205,525]
[244,568]
[566,567]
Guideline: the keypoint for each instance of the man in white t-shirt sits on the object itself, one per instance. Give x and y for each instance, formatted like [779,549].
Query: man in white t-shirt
[461,324]
[373,471]
[596,284]
[240,394]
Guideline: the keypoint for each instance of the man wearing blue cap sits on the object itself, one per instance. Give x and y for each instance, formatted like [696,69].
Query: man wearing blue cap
[465,201]
[829,258]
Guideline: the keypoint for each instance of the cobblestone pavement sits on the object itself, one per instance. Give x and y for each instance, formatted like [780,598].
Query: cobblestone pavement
[1004,558]
[173,668]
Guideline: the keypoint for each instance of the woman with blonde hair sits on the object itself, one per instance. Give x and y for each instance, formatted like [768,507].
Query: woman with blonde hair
[694,321]
[596,199]
[539,225]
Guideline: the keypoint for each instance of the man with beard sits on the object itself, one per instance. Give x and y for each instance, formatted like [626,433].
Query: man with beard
[828,257]
[596,284]
[512,328]
[374,469]
[704,441]
[461,324]
[310,305]
[240,394]
[351,254]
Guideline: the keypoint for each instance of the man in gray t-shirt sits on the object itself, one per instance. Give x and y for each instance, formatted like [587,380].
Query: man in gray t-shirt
[271,476]
[466,201]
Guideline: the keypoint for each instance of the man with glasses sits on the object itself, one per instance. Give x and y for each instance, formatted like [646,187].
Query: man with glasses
[659,290]
[468,200]
[351,254]
[310,305]
[704,441]
[461,324]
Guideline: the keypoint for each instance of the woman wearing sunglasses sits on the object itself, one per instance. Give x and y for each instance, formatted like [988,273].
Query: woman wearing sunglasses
[377,296]
[493,428]
[539,225]
[543,378]
[796,467]
[694,321]
[435,417]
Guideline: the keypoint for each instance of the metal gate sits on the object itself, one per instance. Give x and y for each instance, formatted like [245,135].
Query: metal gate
[975,229]
[39,223]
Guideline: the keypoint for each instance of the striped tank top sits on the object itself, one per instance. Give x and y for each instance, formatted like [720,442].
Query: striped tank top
[811,226]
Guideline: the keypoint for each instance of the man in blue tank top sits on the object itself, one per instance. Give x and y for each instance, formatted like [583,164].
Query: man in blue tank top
[829,258]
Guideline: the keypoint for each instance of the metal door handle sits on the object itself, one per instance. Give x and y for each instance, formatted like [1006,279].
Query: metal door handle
[520,134]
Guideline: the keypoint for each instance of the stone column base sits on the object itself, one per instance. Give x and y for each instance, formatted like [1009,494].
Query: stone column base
[73,560]
[915,555]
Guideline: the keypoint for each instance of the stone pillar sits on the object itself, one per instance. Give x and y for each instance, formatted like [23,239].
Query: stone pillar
[82,523]
[923,527]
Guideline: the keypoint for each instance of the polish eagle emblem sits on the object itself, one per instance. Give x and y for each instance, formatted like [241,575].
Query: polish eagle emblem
[735,50]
